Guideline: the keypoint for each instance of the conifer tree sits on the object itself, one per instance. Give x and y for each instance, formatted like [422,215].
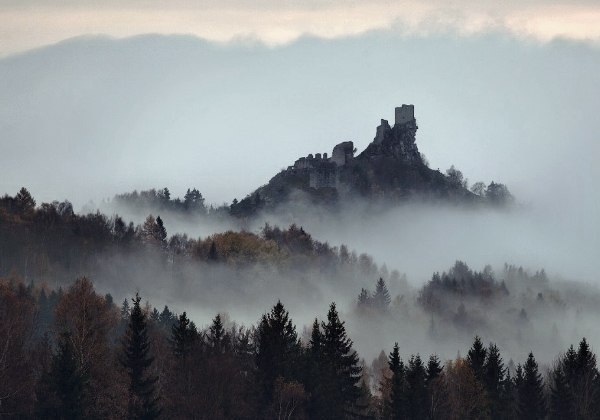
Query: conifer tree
[161,232]
[436,392]
[416,390]
[434,369]
[364,298]
[532,402]
[476,358]
[217,335]
[183,336]
[396,406]
[61,391]
[25,202]
[142,400]
[561,397]
[587,392]
[508,397]
[493,378]
[313,378]
[381,298]
[342,372]
[278,349]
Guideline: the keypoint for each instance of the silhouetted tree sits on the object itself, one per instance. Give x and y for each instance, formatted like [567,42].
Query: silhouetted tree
[61,391]
[561,396]
[25,202]
[341,370]
[532,401]
[217,337]
[397,404]
[278,349]
[416,390]
[183,336]
[476,358]
[493,379]
[142,398]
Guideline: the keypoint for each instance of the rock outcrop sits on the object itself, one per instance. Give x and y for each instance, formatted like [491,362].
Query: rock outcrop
[390,168]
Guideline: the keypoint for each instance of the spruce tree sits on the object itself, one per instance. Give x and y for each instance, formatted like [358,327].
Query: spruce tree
[416,390]
[61,391]
[142,399]
[183,337]
[561,397]
[476,358]
[381,298]
[436,392]
[364,298]
[161,232]
[217,335]
[587,392]
[396,406]
[313,377]
[278,349]
[341,369]
[532,400]
[493,378]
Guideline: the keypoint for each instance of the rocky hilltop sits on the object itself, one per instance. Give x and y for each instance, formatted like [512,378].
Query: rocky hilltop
[390,168]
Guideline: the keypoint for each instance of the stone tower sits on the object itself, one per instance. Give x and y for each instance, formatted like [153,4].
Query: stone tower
[405,113]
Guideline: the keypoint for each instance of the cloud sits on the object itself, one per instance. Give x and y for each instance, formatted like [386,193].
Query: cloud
[28,24]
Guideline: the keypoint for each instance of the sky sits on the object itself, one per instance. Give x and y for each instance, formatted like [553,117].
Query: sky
[26,24]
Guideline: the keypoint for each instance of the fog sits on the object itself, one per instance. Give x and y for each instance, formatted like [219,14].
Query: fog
[153,111]
[91,117]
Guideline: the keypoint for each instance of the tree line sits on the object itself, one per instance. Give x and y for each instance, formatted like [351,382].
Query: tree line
[74,353]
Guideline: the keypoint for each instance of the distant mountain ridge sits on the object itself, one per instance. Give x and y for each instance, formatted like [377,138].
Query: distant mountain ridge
[390,168]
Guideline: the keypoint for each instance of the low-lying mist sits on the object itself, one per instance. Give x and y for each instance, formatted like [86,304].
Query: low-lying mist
[417,239]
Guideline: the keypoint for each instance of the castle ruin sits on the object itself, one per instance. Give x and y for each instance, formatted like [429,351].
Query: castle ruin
[323,172]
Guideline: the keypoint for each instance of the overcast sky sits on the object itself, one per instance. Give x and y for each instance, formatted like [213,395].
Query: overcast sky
[31,23]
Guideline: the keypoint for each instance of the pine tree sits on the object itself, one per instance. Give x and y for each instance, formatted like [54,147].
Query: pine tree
[532,402]
[493,378]
[434,369]
[342,371]
[278,349]
[142,401]
[313,377]
[416,390]
[381,298]
[364,298]
[25,202]
[476,358]
[183,337]
[217,336]
[166,318]
[508,397]
[561,397]
[161,232]
[396,406]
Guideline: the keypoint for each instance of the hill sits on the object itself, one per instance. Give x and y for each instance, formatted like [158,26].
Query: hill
[391,168]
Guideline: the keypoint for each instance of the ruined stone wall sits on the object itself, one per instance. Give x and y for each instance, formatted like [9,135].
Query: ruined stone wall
[381,131]
[343,153]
